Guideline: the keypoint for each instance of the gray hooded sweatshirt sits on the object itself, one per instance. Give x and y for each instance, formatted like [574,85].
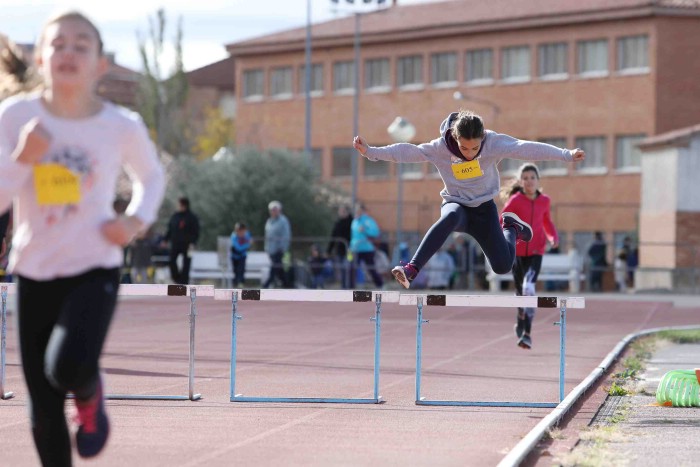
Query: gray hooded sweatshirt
[470,192]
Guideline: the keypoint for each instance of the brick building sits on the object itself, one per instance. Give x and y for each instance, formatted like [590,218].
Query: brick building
[600,74]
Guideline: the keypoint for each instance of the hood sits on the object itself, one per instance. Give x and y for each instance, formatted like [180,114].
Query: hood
[447,137]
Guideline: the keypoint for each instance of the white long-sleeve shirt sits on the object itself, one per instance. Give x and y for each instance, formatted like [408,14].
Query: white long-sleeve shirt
[60,240]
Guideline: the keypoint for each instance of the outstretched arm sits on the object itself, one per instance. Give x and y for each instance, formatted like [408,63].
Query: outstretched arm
[400,152]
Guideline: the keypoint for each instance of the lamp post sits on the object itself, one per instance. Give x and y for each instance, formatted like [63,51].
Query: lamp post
[356,84]
[401,131]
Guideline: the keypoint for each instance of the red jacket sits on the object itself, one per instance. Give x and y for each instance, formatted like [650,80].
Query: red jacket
[536,213]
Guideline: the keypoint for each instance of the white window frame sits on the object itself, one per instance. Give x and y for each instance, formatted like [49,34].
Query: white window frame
[347,67]
[582,49]
[623,143]
[638,45]
[258,75]
[416,64]
[316,79]
[283,78]
[471,57]
[521,54]
[443,61]
[382,66]
[554,51]
[596,148]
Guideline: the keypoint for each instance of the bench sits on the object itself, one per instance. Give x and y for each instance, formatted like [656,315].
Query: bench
[555,267]
[213,265]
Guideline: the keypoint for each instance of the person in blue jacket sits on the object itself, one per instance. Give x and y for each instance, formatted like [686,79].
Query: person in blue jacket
[241,242]
[364,232]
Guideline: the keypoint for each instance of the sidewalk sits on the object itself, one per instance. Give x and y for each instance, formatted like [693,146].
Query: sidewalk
[630,430]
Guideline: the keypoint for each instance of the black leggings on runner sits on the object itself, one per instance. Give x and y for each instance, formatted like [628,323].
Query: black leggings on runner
[520,268]
[63,324]
[480,222]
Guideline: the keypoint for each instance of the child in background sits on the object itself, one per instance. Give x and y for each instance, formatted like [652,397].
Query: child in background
[241,242]
[317,267]
[61,152]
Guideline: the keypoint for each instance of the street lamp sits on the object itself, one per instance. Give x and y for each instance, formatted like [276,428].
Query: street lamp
[458,96]
[401,131]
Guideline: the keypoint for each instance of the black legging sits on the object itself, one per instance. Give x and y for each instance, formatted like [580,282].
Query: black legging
[180,276]
[62,328]
[480,222]
[276,269]
[520,268]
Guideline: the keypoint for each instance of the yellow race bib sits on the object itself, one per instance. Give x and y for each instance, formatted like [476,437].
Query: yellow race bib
[54,184]
[467,169]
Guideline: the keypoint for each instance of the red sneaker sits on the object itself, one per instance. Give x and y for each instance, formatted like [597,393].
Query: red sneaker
[93,425]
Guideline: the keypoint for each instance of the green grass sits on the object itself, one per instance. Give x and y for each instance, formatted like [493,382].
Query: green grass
[686,336]
[618,390]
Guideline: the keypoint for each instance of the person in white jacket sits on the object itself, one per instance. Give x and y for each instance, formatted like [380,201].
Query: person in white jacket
[61,152]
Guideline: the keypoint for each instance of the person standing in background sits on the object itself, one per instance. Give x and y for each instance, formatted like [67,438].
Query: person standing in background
[364,233]
[278,237]
[182,235]
[338,245]
[597,253]
[241,241]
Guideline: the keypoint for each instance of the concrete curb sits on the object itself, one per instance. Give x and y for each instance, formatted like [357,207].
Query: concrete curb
[528,443]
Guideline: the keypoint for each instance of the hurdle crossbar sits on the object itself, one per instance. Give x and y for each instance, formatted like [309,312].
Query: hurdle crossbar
[5,289]
[305,296]
[499,301]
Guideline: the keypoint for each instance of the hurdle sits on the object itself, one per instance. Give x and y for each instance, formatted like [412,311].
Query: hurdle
[170,290]
[492,301]
[356,296]
[5,289]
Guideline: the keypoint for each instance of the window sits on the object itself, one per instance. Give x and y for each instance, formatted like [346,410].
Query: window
[509,166]
[582,242]
[443,68]
[253,83]
[553,167]
[515,66]
[342,161]
[344,76]
[377,73]
[412,171]
[281,82]
[478,65]
[409,70]
[595,153]
[316,78]
[627,154]
[553,60]
[376,169]
[593,58]
[633,54]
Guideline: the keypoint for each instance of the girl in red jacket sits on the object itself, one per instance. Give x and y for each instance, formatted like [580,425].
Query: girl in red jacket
[526,200]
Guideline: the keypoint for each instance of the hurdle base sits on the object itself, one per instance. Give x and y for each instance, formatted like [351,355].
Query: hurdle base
[149,397]
[7,395]
[145,397]
[321,400]
[544,405]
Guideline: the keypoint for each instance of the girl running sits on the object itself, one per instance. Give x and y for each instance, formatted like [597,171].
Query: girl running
[466,156]
[525,199]
[61,151]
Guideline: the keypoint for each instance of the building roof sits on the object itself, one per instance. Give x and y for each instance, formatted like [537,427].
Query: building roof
[679,137]
[447,18]
[219,74]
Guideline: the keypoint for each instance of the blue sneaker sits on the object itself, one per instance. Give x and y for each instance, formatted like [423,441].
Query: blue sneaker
[523,231]
[405,273]
[93,425]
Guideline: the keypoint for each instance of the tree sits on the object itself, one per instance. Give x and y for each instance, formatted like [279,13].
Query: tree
[218,132]
[238,188]
[161,99]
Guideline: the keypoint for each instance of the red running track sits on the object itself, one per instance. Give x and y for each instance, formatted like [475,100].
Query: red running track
[326,350]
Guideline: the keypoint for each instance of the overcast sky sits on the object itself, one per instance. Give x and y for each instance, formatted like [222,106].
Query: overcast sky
[207,24]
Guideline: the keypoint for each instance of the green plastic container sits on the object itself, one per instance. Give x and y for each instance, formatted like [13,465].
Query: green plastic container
[680,388]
